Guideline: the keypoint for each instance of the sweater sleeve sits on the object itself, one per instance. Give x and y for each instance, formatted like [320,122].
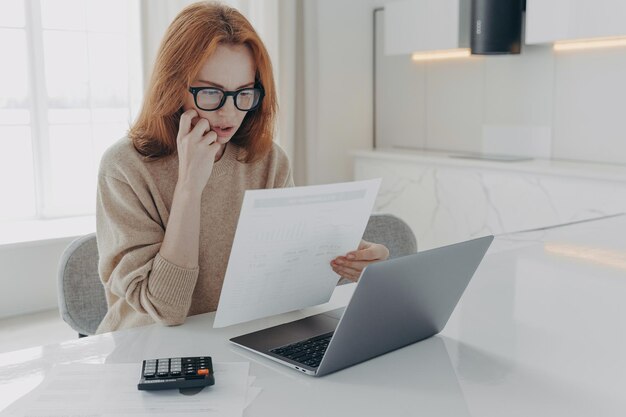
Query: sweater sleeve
[131,268]
[289,179]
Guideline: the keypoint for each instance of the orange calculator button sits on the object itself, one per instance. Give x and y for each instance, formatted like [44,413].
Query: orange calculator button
[203,371]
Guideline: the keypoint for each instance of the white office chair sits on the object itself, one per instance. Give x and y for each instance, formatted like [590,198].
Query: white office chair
[82,301]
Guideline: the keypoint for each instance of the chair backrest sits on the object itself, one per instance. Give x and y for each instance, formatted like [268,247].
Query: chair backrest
[82,301]
[392,232]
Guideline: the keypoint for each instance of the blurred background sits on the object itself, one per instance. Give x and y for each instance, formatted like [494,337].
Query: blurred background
[481,116]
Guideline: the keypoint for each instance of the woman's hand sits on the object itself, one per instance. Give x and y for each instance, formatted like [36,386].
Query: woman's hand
[352,264]
[197,146]
[196,154]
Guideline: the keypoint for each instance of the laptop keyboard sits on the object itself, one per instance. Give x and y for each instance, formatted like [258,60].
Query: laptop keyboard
[308,352]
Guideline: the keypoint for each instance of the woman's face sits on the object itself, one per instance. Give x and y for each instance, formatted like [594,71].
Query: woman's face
[230,68]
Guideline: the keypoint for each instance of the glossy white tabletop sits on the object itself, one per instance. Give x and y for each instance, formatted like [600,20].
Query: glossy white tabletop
[540,331]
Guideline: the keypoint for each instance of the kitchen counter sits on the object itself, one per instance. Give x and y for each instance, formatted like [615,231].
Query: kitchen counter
[587,170]
[447,197]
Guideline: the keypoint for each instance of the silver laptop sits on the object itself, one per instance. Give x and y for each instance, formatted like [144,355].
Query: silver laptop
[395,303]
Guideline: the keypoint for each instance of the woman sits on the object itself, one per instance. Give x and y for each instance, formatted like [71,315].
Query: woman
[169,195]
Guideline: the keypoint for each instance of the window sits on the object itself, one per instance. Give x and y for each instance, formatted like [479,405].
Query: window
[70,84]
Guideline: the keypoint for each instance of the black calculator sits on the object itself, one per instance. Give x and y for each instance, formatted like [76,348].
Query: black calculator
[182,373]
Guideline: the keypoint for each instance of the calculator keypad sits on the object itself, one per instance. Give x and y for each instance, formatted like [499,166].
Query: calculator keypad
[176,372]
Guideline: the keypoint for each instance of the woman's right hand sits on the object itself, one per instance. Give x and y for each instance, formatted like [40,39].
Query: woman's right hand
[197,146]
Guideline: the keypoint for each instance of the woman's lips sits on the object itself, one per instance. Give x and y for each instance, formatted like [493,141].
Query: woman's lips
[223,131]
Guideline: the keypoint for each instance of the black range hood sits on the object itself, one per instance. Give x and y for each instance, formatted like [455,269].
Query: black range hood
[496,27]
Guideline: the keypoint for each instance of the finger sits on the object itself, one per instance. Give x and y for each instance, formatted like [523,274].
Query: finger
[344,274]
[222,140]
[350,279]
[214,148]
[349,272]
[185,122]
[364,244]
[359,265]
[200,128]
[367,254]
[349,275]
[211,137]
[341,269]
[343,261]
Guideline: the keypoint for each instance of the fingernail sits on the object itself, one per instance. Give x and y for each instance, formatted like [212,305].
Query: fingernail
[350,256]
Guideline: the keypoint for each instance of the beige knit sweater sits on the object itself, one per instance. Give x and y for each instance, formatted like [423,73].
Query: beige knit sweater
[133,205]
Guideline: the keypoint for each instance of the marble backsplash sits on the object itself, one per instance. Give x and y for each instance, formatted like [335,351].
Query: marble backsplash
[447,200]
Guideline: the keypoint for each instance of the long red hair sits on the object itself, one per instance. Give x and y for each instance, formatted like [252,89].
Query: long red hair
[189,41]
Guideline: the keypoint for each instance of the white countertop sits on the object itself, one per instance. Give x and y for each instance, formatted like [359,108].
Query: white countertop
[540,331]
[587,170]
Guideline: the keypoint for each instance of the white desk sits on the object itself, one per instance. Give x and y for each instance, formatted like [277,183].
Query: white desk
[540,331]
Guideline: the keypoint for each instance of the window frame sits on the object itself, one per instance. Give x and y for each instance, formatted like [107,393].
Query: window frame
[38,103]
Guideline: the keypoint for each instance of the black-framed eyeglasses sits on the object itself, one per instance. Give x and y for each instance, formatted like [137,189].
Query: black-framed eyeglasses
[213,98]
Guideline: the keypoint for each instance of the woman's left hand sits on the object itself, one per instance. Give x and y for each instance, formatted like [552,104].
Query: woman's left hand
[352,263]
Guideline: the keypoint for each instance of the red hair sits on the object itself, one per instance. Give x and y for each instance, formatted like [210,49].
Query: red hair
[189,41]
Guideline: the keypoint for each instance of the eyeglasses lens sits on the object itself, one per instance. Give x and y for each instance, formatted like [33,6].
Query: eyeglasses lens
[209,99]
[248,99]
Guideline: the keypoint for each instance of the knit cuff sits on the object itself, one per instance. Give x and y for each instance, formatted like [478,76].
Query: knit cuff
[171,283]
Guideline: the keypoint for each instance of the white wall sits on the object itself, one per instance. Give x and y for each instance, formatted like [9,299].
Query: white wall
[565,105]
[28,276]
[541,103]
[341,118]
[589,105]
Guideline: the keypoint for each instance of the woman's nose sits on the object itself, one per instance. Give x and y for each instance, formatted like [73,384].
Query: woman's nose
[228,107]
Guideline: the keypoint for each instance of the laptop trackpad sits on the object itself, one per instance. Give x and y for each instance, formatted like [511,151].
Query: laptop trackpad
[295,331]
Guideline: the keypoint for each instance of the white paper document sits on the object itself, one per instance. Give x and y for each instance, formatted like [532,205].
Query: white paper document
[285,240]
[93,390]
